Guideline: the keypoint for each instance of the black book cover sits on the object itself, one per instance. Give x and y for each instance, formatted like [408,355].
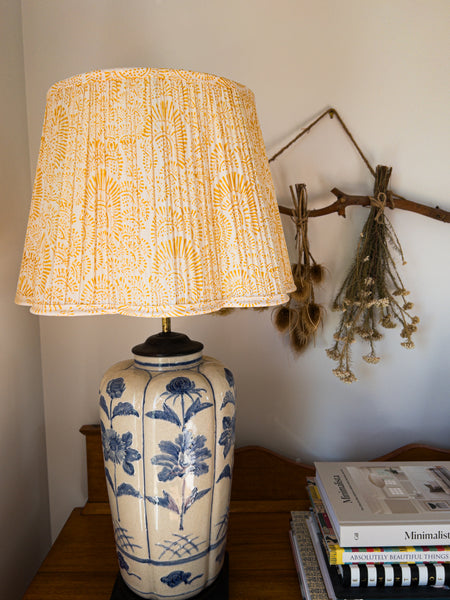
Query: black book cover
[349,593]
[368,593]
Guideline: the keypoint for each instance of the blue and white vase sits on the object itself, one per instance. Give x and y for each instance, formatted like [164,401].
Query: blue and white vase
[168,440]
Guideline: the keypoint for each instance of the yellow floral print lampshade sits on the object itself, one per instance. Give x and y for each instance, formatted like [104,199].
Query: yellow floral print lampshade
[152,197]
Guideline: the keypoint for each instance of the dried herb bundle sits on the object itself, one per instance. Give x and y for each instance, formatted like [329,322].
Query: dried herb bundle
[372,293]
[301,316]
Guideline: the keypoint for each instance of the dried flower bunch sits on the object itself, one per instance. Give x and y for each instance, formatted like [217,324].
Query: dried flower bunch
[372,293]
[301,316]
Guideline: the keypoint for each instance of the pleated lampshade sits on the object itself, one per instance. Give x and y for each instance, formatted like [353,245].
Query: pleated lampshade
[153,197]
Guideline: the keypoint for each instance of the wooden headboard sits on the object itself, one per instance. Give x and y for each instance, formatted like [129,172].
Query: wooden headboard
[284,478]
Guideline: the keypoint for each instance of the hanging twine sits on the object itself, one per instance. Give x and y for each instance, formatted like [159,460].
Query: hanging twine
[381,196]
[331,112]
[380,202]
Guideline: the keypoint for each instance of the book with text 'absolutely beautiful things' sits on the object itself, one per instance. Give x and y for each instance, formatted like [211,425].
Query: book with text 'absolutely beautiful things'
[337,555]
[386,503]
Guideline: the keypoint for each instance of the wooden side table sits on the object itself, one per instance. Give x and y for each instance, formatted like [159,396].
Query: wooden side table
[82,564]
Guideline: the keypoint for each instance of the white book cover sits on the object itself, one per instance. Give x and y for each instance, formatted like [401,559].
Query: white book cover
[387,503]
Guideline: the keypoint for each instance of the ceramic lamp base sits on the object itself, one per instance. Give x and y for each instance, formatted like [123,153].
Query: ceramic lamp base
[217,591]
[167,420]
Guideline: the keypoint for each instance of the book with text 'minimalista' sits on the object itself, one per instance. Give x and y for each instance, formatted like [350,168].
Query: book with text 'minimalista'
[337,555]
[386,503]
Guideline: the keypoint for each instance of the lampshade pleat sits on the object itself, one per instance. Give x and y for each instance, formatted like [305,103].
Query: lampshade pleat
[153,197]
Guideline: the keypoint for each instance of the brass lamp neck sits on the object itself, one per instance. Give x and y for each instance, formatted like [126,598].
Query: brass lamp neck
[166,325]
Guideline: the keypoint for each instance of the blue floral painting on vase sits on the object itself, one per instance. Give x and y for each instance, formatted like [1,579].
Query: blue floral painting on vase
[227,436]
[176,578]
[187,454]
[117,448]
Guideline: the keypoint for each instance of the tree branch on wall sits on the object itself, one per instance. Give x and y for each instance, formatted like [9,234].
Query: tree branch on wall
[345,200]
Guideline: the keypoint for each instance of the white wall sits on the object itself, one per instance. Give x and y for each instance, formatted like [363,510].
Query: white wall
[24,507]
[384,65]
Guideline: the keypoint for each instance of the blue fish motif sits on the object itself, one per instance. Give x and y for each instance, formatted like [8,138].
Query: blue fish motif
[177,577]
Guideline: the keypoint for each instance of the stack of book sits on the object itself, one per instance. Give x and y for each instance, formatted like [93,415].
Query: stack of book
[375,531]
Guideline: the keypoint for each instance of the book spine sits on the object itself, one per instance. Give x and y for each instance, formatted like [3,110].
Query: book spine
[312,582]
[299,566]
[395,575]
[340,556]
[392,535]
